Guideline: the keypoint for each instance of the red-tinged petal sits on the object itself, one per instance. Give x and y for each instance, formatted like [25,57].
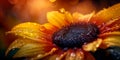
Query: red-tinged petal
[106,15]
[50,28]
[113,25]
[103,35]
[88,56]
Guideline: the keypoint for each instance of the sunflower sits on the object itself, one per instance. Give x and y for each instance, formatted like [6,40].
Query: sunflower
[66,36]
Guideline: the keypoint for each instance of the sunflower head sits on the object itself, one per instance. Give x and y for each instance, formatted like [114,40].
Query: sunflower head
[67,36]
[75,35]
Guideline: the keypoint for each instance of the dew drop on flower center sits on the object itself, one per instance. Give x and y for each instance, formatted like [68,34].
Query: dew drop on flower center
[75,35]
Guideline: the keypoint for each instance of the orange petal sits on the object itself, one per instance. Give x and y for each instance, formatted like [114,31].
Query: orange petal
[28,30]
[50,28]
[68,17]
[70,55]
[75,55]
[40,56]
[80,17]
[51,57]
[76,16]
[61,56]
[58,55]
[79,55]
[56,18]
[107,14]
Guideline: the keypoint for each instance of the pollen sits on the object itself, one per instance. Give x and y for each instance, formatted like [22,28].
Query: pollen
[75,35]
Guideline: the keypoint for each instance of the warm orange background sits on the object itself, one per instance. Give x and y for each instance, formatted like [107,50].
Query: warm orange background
[13,12]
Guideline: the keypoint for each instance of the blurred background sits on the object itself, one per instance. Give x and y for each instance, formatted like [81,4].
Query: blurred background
[13,12]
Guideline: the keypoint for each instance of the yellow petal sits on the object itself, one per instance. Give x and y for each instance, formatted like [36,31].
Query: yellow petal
[56,18]
[111,41]
[92,46]
[107,14]
[52,0]
[28,47]
[69,17]
[29,50]
[33,49]
[28,30]
[18,43]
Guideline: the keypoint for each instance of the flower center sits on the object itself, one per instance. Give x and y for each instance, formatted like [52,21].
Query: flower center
[75,35]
